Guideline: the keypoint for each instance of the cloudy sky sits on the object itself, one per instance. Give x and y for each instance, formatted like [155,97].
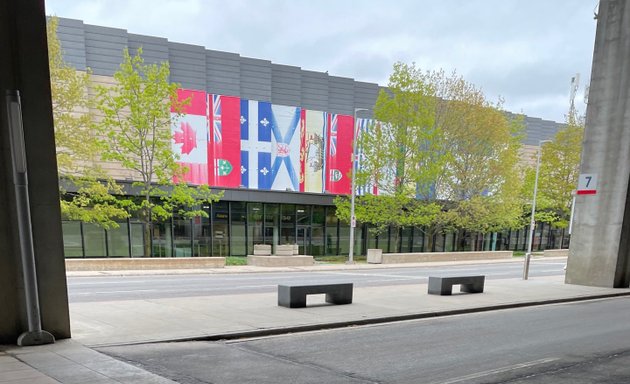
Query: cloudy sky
[525,51]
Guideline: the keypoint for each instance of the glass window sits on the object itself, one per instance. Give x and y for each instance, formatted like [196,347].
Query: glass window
[254,225]
[405,240]
[272,224]
[238,235]
[220,230]
[182,237]
[202,238]
[317,241]
[418,240]
[303,213]
[331,240]
[319,215]
[118,241]
[162,239]
[344,239]
[72,239]
[287,224]
[137,239]
[94,239]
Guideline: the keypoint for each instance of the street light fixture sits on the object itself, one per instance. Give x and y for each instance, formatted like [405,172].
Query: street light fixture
[353,221]
[532,222]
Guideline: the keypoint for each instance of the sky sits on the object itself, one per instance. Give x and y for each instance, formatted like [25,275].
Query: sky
[522,51]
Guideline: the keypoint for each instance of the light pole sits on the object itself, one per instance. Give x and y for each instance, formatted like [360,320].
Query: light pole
[532,222]
[353,221]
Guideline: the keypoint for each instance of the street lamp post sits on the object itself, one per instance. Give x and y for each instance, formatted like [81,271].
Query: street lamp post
[532,222]
[353,221]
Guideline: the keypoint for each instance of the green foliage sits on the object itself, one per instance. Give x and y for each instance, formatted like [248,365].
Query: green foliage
[559,171]
[77,144]
[438,138]
[404,150]
[136,118]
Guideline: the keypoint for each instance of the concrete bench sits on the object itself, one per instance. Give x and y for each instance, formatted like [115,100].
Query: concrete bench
[294,296]
[444,285]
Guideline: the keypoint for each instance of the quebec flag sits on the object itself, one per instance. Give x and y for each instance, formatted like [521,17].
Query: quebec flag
[270,146]
[256,120]
[190,137]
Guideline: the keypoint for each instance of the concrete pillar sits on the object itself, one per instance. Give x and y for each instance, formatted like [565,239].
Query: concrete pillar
[599,253]
[24,66]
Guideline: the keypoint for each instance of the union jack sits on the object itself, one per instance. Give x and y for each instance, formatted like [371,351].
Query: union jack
[333,136]
[216,117]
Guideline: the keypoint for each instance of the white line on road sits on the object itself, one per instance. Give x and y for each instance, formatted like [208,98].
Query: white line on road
[499,370]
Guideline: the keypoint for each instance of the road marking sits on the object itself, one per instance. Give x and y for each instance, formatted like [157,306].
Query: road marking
[499,370]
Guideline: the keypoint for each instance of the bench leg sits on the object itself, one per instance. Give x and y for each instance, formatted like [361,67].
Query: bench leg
[438,287]
[472,288]
[341,297]
[290,300]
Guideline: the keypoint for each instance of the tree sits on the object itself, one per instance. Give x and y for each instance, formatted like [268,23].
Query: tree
[404,153]
[93,199]
[559,171]
[480,176]
[136,119]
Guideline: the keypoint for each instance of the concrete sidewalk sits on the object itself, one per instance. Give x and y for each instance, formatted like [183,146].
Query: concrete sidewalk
[243,315]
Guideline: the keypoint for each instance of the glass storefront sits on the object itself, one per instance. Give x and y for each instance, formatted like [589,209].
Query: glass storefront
[233,228]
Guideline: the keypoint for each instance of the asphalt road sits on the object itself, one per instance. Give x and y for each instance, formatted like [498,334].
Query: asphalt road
[585,342]
[105,288]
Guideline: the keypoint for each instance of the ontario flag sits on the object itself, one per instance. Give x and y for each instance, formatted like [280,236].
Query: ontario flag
[339,133]
[190,136]
[224,147]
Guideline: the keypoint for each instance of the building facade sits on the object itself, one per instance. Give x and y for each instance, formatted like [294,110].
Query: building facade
[249,130]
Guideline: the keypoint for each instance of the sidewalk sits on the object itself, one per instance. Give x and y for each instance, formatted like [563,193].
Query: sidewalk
[250,315]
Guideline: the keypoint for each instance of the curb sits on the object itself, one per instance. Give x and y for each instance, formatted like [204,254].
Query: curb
[353,323]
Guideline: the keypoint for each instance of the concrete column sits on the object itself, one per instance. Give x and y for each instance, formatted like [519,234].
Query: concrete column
[599,253]
[24,66]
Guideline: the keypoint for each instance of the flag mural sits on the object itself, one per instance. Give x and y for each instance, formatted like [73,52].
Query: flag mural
[190,137]
[313,151]
[338,165]
[226,141]
[224,157]
[256,119]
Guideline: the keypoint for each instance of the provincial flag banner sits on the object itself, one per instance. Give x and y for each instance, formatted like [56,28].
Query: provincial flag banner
[338,165]
[312,153]
[255,121]
[224,157]
[190,137]
[285,146]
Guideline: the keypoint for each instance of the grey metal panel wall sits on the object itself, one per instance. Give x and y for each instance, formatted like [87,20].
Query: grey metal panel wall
[104,49]
[154,49]
[537,129]
[223,73]
[71,35]
[315,90]
[255,79]
[188,65]
[286,85]
[340,95]
[365,95]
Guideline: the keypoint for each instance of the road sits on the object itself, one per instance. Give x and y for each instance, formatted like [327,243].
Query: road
[585,342]
[105,288]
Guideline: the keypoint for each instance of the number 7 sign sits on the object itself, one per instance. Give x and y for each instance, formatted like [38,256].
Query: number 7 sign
[587,184]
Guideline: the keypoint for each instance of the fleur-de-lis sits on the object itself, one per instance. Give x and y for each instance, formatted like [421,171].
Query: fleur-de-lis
[264,122]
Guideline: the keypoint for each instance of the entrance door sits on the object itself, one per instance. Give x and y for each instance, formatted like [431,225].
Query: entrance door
[304,239]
